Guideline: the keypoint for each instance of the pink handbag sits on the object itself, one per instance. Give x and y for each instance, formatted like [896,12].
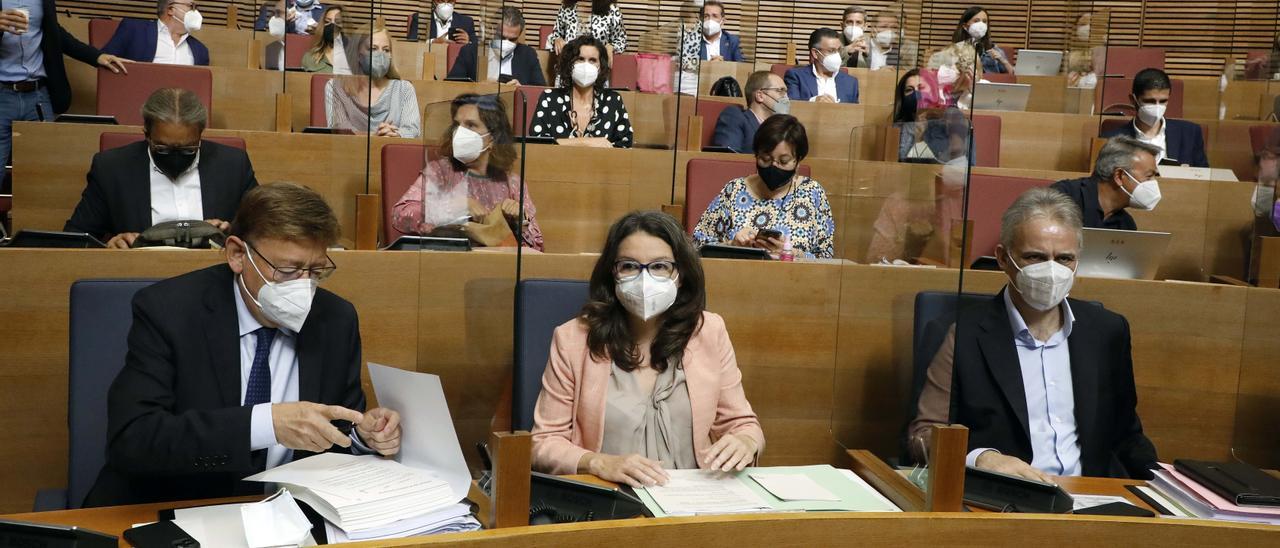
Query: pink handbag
[653,72]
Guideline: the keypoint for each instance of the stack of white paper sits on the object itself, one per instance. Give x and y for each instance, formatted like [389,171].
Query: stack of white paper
[451,519]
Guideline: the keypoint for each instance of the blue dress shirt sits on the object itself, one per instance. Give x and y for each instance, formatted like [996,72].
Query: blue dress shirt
[20,55]
[1051,404]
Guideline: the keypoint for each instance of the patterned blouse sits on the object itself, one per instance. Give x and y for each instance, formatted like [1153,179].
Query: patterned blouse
[408,215]
[803,214]
[609,29]
[609,118]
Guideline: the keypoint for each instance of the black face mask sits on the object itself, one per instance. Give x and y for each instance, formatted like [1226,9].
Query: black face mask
[907,109]
[172,164]
[329,30]
[773,176]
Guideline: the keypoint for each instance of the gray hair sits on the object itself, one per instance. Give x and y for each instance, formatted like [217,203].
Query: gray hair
[1120,153]
[161,6]
[853,9]
[1041,203]
[511,15]
[174,106]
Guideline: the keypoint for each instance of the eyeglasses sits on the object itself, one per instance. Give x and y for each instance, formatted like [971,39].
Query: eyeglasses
[765,161]
[281,274]
[627,270]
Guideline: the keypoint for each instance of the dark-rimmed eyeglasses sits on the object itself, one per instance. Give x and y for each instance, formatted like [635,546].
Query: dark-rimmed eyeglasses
[626,270]
[281,274]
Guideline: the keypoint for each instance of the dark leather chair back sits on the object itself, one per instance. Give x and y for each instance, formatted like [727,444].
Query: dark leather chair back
[541,306]
[935,311]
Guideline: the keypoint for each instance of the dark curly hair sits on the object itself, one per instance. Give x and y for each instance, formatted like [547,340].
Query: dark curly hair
[609,335]
[569,56]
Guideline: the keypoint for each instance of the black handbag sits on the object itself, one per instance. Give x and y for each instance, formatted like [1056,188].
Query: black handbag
[187,234]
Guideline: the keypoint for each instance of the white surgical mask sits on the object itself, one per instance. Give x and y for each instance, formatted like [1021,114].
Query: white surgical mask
[978,30]
[286,304]
[585,74]
[853,32]
[1043,285]
[467,145]
[885,38]
[505,47]
[444,12]
[647,296]
[276,27]
[710,28]
[1082,32]
[831,62]
[193,21]
[1264,197]
[1151,114]
[948,75]
[1145,196]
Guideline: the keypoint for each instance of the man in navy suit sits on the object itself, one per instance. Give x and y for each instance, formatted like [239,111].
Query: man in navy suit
[717,44]
[822,81]
[446,25]
[167,41]
[509,61]
[736,127]
[300,16]
[1179,140]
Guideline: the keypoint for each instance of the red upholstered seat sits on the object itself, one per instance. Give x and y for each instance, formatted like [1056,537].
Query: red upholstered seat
[1126,62]
[1115,91]
[710,112]
[705,178]
[108,141]
[526,108]
[295,47]
[451,56]
[781,69]
[986,140]
[989,196]
[1258,135]
[122,95]
[626,72]
[543,32]
[318,117]
[401,165]
[101,31]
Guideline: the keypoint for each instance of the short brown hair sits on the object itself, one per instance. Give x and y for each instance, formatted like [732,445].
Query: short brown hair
[702,11]
[285,211]
[756,82]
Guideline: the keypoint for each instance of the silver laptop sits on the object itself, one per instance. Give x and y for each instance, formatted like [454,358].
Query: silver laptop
[992,96]
[1037,62]
[1129,254]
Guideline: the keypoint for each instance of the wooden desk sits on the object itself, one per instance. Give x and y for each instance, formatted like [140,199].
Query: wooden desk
[802,529]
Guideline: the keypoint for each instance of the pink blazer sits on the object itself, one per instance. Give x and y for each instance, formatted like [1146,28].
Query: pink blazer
[569,417]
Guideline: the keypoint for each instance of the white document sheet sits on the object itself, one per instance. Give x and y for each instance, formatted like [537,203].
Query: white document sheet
[275,521]
[692,492]
[220,525]
[793,487]
[1089,501]
[427,438]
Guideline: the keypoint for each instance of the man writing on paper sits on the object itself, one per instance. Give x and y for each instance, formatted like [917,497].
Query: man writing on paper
[242,366]
[1044,383]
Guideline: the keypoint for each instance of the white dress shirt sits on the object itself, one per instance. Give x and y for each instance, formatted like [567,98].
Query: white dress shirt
[169,53]
[496,69]
[1047,385]
[443,28]
[713,48]
[1157,140]
[175,200]
[826,86]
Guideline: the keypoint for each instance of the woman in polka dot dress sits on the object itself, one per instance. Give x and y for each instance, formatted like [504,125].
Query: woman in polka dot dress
[581,111]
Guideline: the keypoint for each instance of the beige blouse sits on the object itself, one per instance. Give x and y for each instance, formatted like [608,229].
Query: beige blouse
[657,426]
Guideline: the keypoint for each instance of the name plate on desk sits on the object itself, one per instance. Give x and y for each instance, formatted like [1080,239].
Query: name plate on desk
[1198,173]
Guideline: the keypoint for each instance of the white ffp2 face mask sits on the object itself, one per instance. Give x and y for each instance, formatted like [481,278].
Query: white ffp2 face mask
[444,11]
[1151,114]
[286,304]
[1043,285]
[710,28]
[585,74]
[506,48]
[276,27]
[646,296]
[831,62]
[978,30]
[193,21]
[1145,196]
[885,39]
[467,145]
[853,32]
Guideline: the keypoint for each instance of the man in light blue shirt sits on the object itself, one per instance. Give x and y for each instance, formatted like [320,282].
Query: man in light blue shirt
[33,80]
[1044,383]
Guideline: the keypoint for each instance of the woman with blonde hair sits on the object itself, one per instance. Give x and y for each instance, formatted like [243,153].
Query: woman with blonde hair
[374,99]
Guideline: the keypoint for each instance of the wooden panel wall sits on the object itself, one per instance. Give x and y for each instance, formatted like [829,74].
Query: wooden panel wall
[1199,35]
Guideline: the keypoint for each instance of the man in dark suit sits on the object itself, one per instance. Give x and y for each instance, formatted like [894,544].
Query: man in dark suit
[1179,140]
[822,81]
[167,40]
[1124,166]
[509,61]
[717,44]
[242,366]
[1044,383]
[33,80]
[173,175]
[445,25]
[736,127]
[300,16]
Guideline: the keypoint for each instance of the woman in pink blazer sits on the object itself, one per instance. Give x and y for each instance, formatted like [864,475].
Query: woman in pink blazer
[645,379]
